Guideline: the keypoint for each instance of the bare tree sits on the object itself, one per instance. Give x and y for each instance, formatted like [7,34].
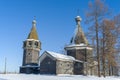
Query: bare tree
[96,12]
[108,37]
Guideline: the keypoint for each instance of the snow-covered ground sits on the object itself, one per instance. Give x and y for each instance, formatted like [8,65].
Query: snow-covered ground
[52,77]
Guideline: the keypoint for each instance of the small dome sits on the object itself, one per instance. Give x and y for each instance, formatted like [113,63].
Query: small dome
[78,18]
[34,21]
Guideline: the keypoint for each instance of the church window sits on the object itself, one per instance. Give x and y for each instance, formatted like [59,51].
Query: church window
[36,44]
[68,65]
[28,53]
[30,43]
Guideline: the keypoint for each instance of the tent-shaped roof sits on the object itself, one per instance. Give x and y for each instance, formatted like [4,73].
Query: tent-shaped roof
[79,36]
[33,32]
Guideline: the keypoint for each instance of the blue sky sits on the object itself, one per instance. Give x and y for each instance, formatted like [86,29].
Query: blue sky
[55,25]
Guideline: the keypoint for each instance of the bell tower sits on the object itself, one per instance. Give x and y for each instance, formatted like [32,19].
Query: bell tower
[31,49]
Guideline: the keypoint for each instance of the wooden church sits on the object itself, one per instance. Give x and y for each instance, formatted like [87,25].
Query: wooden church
[78,59]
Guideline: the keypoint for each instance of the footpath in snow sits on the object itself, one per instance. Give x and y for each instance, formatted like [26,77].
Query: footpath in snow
[52,77]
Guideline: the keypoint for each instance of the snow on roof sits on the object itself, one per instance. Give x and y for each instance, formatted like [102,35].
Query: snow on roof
[29,66]
[59,56]
[82,44]
[32,40]
[79,46]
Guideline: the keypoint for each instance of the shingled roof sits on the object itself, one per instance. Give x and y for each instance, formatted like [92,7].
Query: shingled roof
[33,32]
[79,36]
[56,56]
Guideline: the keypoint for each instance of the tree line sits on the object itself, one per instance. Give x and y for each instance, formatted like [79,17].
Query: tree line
[104,33]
